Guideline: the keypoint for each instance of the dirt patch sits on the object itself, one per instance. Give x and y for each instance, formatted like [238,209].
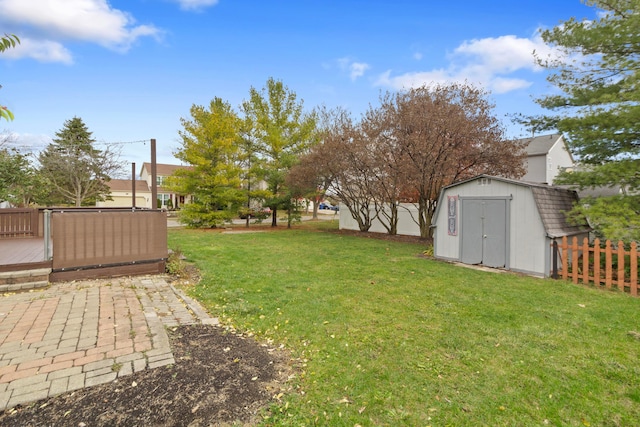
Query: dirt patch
[386,236]
[264,227]
[220,378]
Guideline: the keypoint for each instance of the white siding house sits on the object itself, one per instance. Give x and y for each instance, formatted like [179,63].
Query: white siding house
[547,155]
[502,223]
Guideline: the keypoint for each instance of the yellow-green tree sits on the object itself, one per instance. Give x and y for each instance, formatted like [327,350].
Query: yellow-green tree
[282,131]
[211,145]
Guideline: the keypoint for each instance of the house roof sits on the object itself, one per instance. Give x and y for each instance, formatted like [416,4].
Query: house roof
[163,169]
[125,185]
[552,202]
[539,145]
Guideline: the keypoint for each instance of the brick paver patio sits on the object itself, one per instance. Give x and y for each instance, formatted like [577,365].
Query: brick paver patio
[79,334]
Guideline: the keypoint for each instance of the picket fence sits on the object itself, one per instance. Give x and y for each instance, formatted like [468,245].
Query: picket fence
[609,266]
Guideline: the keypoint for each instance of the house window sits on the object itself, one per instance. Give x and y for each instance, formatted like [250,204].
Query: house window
[484,181]
[163,200]
[159,181]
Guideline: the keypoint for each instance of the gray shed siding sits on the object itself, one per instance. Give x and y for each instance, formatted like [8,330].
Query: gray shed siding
[526,237]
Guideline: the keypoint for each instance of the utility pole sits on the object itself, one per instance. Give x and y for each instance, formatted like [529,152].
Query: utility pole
[154,176]
[133,185]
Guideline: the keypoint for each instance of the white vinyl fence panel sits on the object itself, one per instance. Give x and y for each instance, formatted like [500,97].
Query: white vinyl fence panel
[407,226]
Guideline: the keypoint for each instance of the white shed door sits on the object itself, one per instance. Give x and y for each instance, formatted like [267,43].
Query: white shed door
[484,232]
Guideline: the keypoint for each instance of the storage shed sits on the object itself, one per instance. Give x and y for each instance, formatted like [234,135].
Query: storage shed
[503,223]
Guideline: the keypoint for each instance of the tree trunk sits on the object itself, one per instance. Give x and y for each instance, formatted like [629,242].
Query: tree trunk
[274,217]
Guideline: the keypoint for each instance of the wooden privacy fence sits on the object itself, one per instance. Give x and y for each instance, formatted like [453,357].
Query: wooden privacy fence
[609,266]
[18,222]
[116,242]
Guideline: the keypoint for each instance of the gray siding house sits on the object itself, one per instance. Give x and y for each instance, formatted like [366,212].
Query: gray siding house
[547,155]
[502,223]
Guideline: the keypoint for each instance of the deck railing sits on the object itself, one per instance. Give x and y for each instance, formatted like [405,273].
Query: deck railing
[107,238]
[18,222]
[609,265]
[98,237]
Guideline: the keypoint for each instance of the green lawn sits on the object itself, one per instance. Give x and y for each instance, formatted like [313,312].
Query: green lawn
[382,336]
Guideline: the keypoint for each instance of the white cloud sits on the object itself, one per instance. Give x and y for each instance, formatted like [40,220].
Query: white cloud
[40,50]
[195,4]
[504,85]
[25,142]
[355,69]
[488,62]
[47,23]
[358,69]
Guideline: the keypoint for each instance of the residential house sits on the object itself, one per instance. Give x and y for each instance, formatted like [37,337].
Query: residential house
[122,194]
[122,190]
[547,156]
[166,199]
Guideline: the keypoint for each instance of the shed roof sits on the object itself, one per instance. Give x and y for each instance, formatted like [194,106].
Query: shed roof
[552,202]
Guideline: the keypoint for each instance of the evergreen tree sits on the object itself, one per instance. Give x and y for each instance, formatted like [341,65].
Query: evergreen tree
[598,110]
[76,171]
[211,146]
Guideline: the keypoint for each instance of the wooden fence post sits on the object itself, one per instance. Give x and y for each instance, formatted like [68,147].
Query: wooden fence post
[608,264]
[565,258]
[633,262]
[554,272]
[596,262]
[575,259]
[585,260]
[621,275]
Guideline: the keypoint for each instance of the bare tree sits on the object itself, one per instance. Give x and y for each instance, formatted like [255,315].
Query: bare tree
[445,133]
[406,149]
[350,160]
[313,175]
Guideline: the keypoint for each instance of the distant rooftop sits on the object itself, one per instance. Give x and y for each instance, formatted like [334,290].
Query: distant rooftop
[539,145]
[163,169]
[125,185]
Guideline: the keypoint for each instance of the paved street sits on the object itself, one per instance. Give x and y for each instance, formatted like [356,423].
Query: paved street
[78,334]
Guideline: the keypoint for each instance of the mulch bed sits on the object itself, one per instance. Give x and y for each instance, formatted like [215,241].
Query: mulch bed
[219,378]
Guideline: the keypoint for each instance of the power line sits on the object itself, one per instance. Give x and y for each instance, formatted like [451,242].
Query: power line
[144,141]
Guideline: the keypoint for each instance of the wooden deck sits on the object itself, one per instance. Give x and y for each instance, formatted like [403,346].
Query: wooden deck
[22,254]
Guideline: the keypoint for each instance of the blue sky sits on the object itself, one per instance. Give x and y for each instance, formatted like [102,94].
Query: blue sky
[132,68]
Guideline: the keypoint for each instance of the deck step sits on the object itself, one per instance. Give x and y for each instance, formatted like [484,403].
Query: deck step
[12,281]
